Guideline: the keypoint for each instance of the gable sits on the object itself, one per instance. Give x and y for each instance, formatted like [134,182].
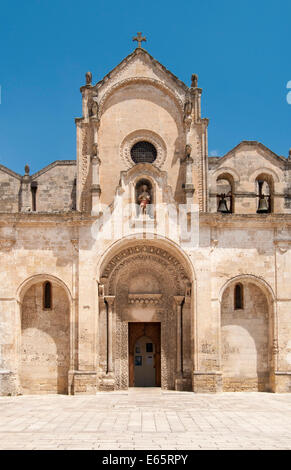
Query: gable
[249,159]
[138,66]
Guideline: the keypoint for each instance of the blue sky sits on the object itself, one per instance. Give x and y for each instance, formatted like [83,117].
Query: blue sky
[240,50]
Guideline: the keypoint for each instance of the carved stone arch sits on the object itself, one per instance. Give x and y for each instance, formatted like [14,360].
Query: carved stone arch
[145,279]
[226,170]
[27,283]
[269,172]
[132,241]
[146,252]
[140,80]
[259,281]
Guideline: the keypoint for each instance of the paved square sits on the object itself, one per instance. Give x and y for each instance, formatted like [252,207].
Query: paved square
[146,419]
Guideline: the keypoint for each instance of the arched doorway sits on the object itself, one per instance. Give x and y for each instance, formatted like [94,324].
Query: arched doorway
[146,293]
[246,337]
[45,338]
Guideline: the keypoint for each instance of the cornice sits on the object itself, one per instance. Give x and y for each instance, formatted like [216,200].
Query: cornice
[264,221]
[212,219]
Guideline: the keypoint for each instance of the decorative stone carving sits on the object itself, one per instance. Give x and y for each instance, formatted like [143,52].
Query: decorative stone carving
[100,290]
[187,109]
[145,299]
[188,150]
[75,243]
[143,252]
[92,107]
[142,135]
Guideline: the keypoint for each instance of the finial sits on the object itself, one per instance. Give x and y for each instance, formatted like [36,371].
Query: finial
[26,169]
[88,78]
[139,39]
[194,80]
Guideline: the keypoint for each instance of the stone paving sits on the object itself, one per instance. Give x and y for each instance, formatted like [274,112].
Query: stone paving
[146,419]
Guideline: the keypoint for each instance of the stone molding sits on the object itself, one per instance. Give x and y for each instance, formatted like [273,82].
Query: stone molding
[145,299]
[137,80]
[139,253]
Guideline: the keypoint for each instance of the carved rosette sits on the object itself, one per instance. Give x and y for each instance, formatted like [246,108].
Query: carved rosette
[141,135]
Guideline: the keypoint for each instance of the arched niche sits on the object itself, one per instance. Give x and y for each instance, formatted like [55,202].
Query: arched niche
[225,191]
[144,196]
[44,344]
[247,336]
[265,193]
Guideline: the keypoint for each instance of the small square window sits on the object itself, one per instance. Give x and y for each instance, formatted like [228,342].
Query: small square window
[149,347]
[138,360]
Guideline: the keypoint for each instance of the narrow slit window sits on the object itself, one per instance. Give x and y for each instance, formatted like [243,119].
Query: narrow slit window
[33,194]
[47,295]
[238,297]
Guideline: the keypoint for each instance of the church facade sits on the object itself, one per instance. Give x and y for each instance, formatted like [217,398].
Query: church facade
[145,262]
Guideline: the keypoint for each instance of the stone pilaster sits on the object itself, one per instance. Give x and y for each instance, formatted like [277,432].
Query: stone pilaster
[179,366]
[95,187]
[107,381]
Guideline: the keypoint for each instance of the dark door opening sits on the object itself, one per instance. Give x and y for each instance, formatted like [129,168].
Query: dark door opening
[144,354]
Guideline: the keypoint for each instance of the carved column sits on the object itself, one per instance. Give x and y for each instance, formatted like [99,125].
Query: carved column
[179,366]
[95,187]
[109,300]
[189,187]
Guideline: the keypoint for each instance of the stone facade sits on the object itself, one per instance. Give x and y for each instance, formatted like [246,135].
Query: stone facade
[209,260]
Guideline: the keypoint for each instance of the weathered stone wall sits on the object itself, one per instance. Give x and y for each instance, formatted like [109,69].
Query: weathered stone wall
[56,187]
[245,337]
[9,190]
[45,340]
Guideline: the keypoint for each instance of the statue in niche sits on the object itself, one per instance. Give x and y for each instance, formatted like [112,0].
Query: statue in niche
[187,109]
[144,199]
[92,107]
[188,150]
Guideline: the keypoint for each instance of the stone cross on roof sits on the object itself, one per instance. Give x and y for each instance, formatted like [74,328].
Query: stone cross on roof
[139,39]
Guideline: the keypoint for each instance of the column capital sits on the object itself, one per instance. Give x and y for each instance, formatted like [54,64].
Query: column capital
[179,299]
[95,160]
[109,299]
